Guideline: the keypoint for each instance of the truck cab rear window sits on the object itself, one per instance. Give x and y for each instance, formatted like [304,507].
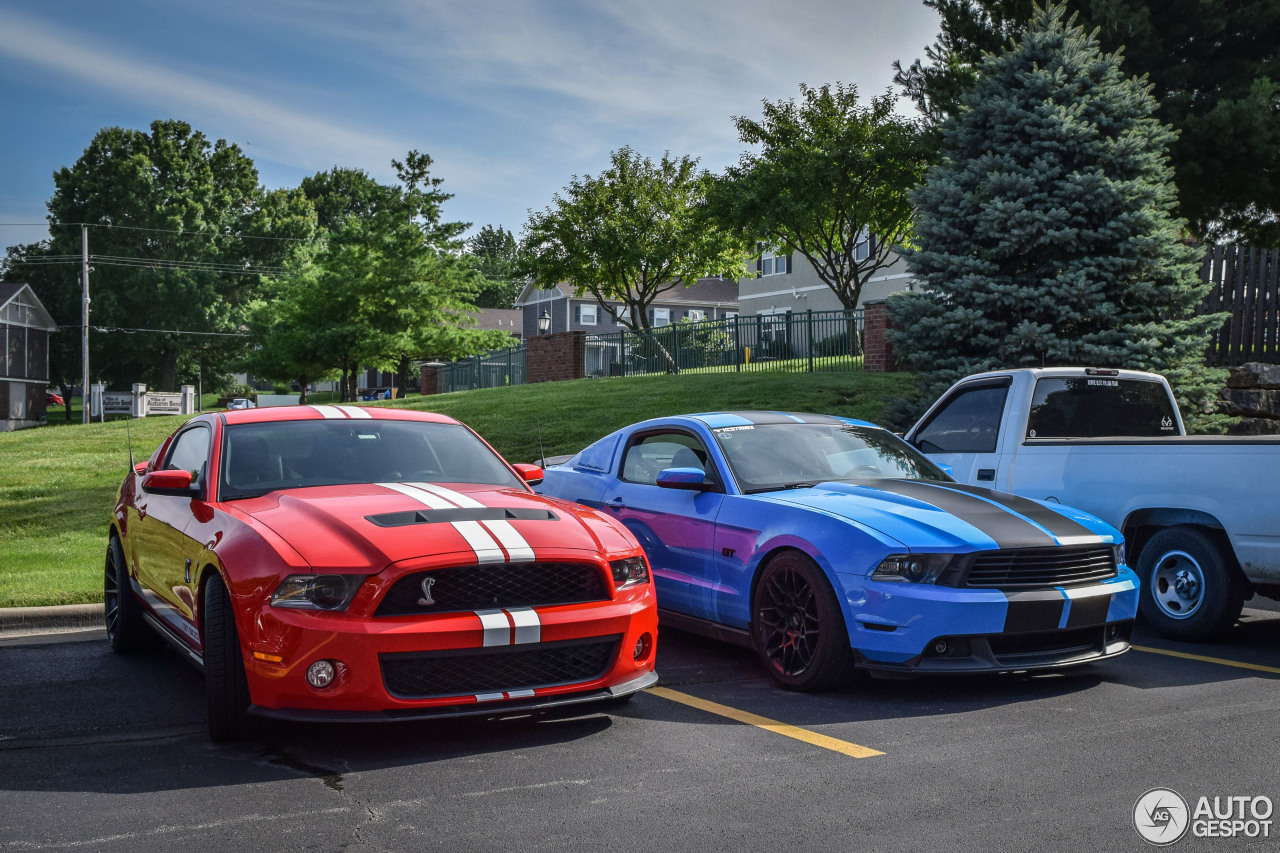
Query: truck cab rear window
[1094,406]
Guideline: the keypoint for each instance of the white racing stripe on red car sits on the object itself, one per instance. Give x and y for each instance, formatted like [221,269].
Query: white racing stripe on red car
[481,540]
[517,548]
[497,627]
[354,411]
[513,626]
[510,694]
[528,627]
[330,412]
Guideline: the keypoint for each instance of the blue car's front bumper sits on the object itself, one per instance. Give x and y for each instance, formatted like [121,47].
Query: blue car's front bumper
[919,628]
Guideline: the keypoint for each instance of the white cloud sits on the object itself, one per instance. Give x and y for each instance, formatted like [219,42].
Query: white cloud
[277,131]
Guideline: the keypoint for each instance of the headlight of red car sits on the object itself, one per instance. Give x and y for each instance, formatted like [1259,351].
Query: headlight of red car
[317,592]
[630,570]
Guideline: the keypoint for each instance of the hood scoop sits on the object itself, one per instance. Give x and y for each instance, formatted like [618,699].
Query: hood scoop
[445,516]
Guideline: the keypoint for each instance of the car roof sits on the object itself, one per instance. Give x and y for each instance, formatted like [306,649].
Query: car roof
[717,420]
[266,414]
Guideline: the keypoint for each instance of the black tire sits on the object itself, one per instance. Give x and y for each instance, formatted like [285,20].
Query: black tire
[127,631]
[1190,589]
[225,686]
[797,627]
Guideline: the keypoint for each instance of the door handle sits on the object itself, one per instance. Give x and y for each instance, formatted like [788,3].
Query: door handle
[987,474]
[615,504]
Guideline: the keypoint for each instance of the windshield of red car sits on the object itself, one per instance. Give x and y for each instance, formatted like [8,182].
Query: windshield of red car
[264,457]
[768,457]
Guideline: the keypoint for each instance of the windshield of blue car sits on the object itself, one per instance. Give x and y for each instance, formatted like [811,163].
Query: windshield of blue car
[768,457]
[259,458]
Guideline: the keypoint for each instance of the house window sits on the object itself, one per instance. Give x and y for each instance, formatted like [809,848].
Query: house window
[659,317]
[587,315]
[772,263]
[862,250]
[725,315]
[695,315]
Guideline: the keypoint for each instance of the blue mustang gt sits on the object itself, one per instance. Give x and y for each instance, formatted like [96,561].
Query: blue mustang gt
[827,543]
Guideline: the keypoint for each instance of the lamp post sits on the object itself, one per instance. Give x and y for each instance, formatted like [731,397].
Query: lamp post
[544,322]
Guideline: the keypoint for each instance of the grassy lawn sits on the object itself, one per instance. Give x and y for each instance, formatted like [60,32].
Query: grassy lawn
[57,486]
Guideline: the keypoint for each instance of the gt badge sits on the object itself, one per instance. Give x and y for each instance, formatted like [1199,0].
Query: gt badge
[427,600]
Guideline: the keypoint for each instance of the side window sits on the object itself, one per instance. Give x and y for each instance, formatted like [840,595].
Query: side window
[190,452]
[968,423]
[659,450]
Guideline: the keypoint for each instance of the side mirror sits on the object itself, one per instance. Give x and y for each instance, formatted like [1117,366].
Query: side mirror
[689,479]
[947,469]
[141,468]
[173,482]
[532,474]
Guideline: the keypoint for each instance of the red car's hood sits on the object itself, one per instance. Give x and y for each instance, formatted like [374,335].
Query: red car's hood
[331,526]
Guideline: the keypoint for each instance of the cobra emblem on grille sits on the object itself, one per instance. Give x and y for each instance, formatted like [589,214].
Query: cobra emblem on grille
[427,600]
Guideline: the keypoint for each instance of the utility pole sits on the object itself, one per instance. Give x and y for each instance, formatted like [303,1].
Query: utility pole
[84,324]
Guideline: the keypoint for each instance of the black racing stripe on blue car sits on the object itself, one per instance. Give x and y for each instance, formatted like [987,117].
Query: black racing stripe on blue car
[1089,611]
[766,418]
[1056,523]
[1034,611]
[997,522]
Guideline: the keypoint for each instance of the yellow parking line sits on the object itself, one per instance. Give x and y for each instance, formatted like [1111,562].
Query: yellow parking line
[1238,664]
[841,746]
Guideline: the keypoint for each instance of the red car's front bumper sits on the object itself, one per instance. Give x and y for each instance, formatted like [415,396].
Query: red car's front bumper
[488,662]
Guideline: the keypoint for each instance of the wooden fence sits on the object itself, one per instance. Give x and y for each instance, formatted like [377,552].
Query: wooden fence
[1247,285]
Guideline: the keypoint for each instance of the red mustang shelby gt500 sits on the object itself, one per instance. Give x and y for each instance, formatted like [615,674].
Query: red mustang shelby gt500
[341,563]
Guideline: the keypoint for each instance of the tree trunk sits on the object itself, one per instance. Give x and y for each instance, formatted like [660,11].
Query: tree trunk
[402,377]
[169,371]
[302,390]
[66,400]
[352,393]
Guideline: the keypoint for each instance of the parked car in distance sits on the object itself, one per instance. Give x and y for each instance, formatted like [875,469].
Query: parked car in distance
[241,403]
[826,544]
[336,563]
[52,399]
[1200,514]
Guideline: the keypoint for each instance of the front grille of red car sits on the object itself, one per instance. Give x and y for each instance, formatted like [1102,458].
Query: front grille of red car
[462,672]
[1031,567]
[495,585]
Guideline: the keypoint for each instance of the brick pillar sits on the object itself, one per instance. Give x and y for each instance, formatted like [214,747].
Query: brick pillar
[427,381]
[553,358]
[878,352]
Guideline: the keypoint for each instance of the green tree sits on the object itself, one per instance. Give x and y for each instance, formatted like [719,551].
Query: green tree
[1045,236]
[1214,67]
[629,235]
[830,175]
[495,253]
[385,284]
[180,232]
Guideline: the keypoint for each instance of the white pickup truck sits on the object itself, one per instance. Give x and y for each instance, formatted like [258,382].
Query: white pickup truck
[1200,514]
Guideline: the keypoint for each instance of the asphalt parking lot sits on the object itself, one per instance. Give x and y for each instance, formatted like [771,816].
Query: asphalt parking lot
[99,752]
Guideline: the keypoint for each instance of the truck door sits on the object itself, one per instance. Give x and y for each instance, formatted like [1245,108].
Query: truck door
[963,431]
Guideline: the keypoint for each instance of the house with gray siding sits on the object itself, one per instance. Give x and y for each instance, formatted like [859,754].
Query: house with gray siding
[25,327]
[705,299]
[788,284]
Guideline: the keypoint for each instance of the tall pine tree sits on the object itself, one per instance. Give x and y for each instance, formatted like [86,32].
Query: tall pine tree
[1046,237]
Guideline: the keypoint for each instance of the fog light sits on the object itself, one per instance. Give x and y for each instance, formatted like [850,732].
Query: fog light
[1113,631]
[643,645]
[940,647]
[321,674]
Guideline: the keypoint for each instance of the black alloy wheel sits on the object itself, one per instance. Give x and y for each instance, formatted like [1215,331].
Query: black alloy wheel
[126,629]
[798,628]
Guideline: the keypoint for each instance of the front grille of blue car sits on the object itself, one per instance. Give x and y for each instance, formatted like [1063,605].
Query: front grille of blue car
[461,672]
[491,585]
[1039,567]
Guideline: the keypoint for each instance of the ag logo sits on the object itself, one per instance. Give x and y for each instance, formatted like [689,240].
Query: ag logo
[427,600]
[1161,816]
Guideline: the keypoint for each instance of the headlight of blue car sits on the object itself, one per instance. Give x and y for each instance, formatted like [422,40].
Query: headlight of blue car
[917,568]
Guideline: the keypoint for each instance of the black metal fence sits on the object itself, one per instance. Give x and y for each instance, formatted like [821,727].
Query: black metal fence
[812,341]
[494,370]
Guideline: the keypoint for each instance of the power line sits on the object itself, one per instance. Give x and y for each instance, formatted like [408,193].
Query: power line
[180,231]
[152,263]
[159,331]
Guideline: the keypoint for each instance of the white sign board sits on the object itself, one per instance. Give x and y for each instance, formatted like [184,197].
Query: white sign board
[117,402]
[161,403]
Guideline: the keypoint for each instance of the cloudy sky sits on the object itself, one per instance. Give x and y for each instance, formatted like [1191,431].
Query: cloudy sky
[509,97]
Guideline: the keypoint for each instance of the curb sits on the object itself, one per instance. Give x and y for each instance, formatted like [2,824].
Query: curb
[15,621]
